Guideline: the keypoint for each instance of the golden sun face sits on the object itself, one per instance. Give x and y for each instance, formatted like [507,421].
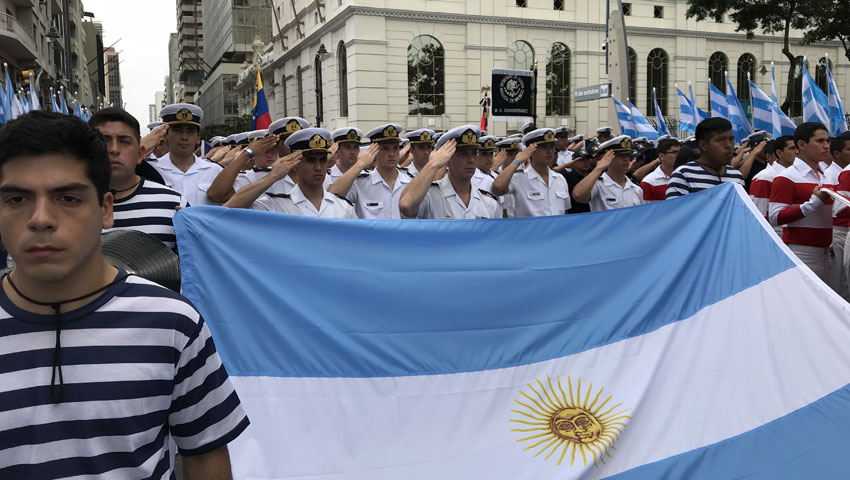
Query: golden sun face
[560,421]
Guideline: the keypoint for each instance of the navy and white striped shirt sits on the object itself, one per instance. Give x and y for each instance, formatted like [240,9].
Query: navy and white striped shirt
[140,369]
[150,210]
[692,177]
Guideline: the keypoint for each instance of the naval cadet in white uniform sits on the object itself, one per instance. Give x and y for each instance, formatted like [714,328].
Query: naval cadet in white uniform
[537,190]
[348,140]
[453,196]
[375,194]
[250,165]
[309,162]
[180,168]
[421,146]
[607,187]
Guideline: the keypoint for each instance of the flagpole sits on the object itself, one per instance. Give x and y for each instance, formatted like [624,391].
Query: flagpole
[679,117]
[752,115]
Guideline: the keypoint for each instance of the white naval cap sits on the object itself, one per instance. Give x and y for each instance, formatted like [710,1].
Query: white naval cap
[563,131]
[386,132]
[527,127]
[287,126]
[541,135]
[488,143]
[577,138]
[154,125]
[182,114]
[309,140]
[257,134]
[621,144]
[241,138]
[604,129]
[423,135]
[466,136]
[347,134]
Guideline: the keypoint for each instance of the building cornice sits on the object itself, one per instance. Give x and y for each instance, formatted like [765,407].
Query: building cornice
[461,18]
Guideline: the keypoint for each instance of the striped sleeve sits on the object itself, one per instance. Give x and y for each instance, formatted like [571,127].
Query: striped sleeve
[781,208]
[205,412]
[760,195]
[678,185]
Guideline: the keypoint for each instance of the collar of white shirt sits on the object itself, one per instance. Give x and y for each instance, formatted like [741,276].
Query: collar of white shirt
[803,167]
[200,164]
[532,175]
[297,196]
[609,182]
[448,190]
[377,178]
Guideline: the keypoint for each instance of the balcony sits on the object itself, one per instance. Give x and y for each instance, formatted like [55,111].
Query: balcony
[15,39]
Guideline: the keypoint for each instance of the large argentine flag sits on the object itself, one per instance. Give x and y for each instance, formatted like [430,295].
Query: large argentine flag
[425,349]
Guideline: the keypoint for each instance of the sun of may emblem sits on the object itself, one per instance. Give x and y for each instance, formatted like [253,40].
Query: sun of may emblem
[552,420]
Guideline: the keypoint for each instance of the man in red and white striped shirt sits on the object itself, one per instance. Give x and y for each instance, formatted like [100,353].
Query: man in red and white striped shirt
[784,153]
[798,204]
[654,184]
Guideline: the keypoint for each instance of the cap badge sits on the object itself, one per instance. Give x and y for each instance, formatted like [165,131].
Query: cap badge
[468,138]
[626,144]
[425,137]
[352,135]
[549,136]
[317,142]
[184,115]
[489,143]
[293,126]
[390,132]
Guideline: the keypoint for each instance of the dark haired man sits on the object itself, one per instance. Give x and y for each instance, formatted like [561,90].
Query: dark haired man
[181,169]
[784,152]
[421,146]
[140,204]
[655,175]
[103,371]
[717,144]
[607,187]
[798,204]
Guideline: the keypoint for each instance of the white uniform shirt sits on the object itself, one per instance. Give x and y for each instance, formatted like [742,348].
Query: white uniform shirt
[284,185]
[412,170]
[565,156]
[608,194]
[442,201]
[533,198]
[296,203]
[373,198]
[191,184]
[482,180]
[333,174]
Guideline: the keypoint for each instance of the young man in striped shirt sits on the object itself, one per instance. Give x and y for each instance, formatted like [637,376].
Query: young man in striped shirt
[798,204]
[102,371]
[140,204]
[717,144]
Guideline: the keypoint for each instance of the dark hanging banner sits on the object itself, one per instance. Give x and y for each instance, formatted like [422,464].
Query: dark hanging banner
[512,94]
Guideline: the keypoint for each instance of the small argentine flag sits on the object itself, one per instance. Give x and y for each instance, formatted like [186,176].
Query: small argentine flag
[699,348]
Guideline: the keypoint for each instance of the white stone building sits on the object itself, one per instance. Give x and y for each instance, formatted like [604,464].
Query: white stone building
[423,64]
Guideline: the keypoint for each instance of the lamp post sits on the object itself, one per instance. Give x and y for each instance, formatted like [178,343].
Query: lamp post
[317,65]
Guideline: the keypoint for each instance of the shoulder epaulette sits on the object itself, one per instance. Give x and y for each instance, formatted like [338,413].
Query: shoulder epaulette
[403,169]
[258,169]
[278,195]
[347,200]
[489,194]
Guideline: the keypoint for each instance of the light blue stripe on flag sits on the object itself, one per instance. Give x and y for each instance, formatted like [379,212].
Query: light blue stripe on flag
[719,107]
[762,110]
[661,123]
[687,121]
[358,340]
[836,107]
[624,116]
[642,125]
[815,104]
[741,127]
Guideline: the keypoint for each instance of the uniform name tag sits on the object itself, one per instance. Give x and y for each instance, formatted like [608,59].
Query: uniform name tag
[534,194]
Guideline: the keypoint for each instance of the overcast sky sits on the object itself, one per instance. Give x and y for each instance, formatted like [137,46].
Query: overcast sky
[143,28]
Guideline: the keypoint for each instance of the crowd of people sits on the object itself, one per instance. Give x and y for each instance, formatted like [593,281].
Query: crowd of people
[76,331]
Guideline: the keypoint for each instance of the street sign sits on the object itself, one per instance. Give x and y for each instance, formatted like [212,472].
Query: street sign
[593,92]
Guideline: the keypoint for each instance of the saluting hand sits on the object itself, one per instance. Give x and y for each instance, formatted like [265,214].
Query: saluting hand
[525,155]
[605,161]
[366,158]
[283,165]
[333,154]
[500,157]
[154,139]
[440,158]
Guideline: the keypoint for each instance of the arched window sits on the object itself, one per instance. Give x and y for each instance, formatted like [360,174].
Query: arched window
[718,64]
[820,74]
[632,75]
[342,72]
[299,85]
[520,56]
[425,76]
[796,109]
[746,65]
[558,80]
[656,77]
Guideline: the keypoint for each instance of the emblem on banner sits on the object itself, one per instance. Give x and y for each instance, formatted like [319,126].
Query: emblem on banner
[512,88]
[556,422]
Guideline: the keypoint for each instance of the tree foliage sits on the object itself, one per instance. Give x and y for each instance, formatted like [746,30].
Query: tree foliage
[768,16]
[828,20]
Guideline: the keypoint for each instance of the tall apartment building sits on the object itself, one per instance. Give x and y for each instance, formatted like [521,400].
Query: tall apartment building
[425,66]
[172,80]
[113,78]
[191,68]
[230,29]
[156,106]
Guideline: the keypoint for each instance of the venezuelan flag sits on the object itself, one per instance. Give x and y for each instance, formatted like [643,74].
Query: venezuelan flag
[262,119]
